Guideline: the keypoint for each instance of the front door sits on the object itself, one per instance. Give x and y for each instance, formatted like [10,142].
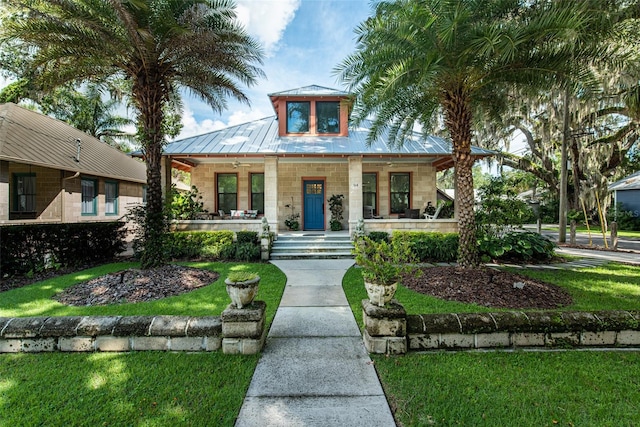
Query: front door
[314,205]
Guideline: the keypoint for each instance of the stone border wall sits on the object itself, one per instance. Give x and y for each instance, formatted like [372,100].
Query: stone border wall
[237,331]
[390,330]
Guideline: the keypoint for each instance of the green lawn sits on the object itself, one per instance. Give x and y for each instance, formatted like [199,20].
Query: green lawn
[35,299]
[596,231]
[572,388]
[122,389]
[610,287]
[498,388]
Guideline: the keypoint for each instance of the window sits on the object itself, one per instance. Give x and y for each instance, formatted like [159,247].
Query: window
[111,198]
[400,185]
[257,192]
[369,191]
[298,113]
[25,192]
[227,191]
[89,193]
[328,117]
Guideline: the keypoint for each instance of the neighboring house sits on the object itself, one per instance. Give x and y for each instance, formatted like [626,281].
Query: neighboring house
[52,172]
[627,193]
[294,162]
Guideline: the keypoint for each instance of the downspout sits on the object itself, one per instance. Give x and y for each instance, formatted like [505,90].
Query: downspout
[63,216]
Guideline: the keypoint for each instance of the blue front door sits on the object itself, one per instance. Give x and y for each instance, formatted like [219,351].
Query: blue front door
[314,205]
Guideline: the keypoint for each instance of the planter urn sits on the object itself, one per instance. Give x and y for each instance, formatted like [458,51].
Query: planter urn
[380,294]
[242,293]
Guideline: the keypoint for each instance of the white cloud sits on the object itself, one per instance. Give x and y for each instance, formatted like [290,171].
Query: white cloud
[266,20]
[193,127]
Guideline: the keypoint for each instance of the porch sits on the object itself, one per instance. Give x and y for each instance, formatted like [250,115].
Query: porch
[388,225]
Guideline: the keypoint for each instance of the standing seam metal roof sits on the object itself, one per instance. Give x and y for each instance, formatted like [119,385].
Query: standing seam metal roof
[33,138]
[261,137]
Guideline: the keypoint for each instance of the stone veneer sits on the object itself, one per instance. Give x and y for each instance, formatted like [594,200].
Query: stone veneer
[245,330]
[389,330]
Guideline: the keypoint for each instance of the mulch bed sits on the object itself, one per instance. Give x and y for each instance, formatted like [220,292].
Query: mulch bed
[135,285]
[487,287]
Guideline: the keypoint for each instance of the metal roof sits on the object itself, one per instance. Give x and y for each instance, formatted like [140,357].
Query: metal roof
[260,137]
[33,138]
[312,90]
[631,182]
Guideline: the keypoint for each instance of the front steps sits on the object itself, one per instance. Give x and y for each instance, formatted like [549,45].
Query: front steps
[312,245]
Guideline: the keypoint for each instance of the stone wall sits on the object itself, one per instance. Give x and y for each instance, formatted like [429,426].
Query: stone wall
[389,330]
[237,331]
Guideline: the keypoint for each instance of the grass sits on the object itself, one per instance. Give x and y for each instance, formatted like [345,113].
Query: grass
[123,389]
[513,388]
[146,388]
[596,231]
[610,287]
[516,388]
[35,299]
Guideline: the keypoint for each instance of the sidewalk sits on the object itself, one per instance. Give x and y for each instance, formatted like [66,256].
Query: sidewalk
[314,370]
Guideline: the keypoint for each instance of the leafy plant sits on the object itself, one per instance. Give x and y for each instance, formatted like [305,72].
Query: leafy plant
[292,219]
[336,209]
[500,210]
[381,262]
[186,205]
[379,236]
[242,276]
[517,246]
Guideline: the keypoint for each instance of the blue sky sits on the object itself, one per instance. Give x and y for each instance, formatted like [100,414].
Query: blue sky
[303,41]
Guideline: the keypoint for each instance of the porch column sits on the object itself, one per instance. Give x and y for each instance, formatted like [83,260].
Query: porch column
[355,192]
[165,177]
[4,191]
[271,191]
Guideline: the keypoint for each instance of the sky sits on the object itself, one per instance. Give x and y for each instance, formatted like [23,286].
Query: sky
[303,41]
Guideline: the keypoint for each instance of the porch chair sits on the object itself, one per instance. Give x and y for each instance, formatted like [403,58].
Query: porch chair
[435,214]
[367,213]
[222,214]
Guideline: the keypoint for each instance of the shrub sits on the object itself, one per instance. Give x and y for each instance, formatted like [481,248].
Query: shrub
[379,236]
[430,246]
[186,205]
[198,244]
[35,247]
[516,246]
[247,252]
[247,237]
[626,219]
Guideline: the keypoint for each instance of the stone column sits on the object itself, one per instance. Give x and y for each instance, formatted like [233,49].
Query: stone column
[355,192]
[271,192]
[385,328]
[243,329]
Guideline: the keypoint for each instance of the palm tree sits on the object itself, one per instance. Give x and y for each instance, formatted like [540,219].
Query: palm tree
[417,59]
[158,46]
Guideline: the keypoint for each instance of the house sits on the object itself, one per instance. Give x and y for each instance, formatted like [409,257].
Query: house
[52,172]
[292,163]
[627,193]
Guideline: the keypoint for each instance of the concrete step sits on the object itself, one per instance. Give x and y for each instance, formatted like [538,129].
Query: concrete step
[316,246]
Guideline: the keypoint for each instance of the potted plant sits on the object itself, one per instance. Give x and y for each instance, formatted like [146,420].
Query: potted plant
[336,209]
[383,265]
[242,287]
[292,220]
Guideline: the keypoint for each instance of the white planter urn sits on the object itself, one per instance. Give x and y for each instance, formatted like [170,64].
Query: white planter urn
[242,293]
[380,294]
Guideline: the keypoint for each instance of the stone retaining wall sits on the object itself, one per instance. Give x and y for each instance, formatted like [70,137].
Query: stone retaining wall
[237,331]
[389,330]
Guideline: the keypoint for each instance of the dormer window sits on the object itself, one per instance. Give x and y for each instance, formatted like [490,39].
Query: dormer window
[312,111]
[298,115]
[328,117]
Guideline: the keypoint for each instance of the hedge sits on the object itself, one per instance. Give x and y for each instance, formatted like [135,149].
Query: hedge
[31,248]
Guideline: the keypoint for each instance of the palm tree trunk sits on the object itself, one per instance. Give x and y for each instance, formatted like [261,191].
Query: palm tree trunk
[458,121]
[150,99]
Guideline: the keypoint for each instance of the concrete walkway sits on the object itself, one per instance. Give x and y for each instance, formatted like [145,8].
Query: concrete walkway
[314,370]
